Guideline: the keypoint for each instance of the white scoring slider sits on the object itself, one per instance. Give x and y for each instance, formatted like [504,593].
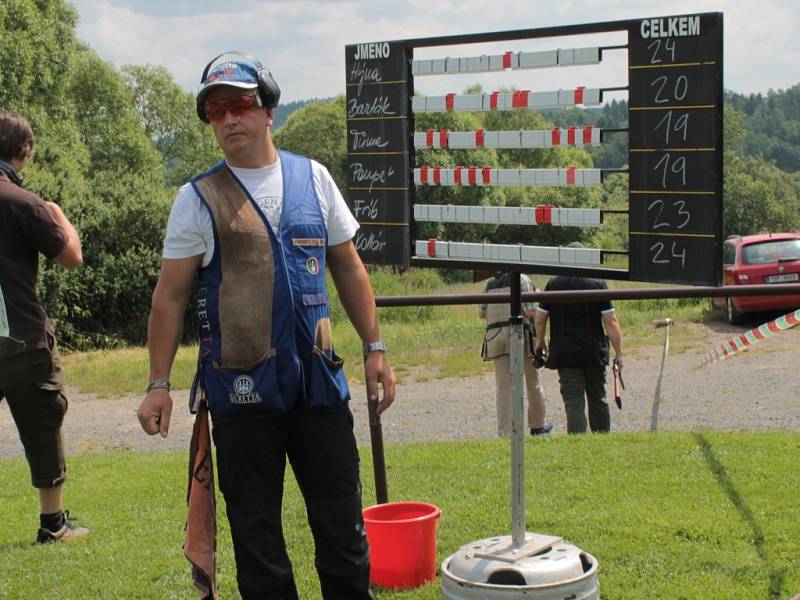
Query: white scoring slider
[509,215]
[537,138]
[508,253]
[489,176]
[562,57]
[504,101]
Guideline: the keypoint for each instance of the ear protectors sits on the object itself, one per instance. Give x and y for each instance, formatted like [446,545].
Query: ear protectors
[268,89]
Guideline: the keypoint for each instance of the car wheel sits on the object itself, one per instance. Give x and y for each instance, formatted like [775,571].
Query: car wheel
[733,316]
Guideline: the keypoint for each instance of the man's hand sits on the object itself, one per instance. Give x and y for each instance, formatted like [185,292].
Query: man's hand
[377,370]
[539,359]
[539,354]
[155,412]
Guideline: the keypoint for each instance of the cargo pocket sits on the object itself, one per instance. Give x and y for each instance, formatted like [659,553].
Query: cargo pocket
[244,394]
[328,383]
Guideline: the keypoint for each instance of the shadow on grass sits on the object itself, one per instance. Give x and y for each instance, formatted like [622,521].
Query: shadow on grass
[776,577]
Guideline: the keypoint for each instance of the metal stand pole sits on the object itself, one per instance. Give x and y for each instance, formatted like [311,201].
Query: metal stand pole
[517,354]
[657,397]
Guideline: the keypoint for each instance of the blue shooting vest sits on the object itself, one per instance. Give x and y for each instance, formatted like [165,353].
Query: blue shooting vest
[265,333]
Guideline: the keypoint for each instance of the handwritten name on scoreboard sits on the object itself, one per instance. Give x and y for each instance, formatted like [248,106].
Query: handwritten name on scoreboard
[378,150]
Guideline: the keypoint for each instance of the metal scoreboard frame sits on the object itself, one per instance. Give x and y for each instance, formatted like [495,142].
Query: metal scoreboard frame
[675,143]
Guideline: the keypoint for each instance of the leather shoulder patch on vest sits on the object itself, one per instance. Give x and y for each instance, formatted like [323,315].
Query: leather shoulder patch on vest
[248,277]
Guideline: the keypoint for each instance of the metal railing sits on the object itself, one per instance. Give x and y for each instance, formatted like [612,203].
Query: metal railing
[581,295]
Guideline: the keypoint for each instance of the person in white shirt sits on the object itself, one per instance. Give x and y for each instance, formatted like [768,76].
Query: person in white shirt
[257,232]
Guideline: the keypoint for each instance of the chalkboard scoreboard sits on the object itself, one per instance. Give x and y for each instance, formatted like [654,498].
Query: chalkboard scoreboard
[675,149]
[378,150]
[674,169]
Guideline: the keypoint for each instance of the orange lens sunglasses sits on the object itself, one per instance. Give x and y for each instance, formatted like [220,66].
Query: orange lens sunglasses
[236,105]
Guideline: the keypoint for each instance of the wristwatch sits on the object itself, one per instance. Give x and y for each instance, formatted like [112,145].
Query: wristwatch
[159,384]
[379,346]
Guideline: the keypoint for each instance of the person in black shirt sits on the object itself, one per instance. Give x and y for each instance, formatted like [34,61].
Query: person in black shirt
[31,380]
[579,350]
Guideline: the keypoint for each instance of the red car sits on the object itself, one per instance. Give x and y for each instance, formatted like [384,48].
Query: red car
[756,260]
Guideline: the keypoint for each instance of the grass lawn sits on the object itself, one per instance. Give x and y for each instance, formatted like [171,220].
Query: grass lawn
[670,515]
[441,341]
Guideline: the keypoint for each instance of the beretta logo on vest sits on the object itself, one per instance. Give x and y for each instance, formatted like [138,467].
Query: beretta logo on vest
[243,391]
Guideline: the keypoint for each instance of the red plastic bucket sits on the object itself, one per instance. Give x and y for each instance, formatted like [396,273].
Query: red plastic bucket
[402,543]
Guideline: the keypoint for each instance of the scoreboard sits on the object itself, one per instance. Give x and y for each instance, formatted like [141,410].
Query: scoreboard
[674,168]
[675,149]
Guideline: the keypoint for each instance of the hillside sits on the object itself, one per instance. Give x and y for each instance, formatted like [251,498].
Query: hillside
[773,125]
[282,111]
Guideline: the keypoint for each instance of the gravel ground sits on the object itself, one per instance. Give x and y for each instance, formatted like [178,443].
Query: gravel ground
[754,391]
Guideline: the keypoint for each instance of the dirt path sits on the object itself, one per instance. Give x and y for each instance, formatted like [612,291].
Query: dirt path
[758,390]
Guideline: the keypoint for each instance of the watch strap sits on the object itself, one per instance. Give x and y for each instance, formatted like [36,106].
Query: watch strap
[159,384]
[379,346]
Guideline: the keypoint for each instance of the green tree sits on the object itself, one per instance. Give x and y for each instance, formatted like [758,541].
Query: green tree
[773,125]
[106,301]
[37,43]
[734,129]
[759,197]
[319,131]
[169,117]
[37,40]
[750,205]
[93,157]
[108,122]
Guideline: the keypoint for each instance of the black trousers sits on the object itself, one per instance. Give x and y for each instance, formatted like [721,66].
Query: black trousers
[251,462]
[33,384]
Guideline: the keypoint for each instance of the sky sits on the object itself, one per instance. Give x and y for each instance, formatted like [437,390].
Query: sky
[303,41]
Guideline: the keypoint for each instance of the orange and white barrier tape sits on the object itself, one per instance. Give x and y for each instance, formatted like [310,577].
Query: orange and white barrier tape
[741,342]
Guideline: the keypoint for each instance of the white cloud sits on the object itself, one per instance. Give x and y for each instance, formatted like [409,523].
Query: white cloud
[303,41]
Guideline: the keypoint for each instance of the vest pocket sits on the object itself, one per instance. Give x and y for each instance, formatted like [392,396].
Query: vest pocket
[245,393]
[327,383]
[309,253]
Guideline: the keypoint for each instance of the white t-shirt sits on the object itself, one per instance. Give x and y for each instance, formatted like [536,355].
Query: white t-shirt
[189,229]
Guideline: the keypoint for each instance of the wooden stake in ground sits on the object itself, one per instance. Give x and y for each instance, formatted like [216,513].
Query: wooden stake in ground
[666,322]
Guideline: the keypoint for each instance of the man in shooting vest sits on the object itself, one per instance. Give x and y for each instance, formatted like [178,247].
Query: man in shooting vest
[257,232]
[496,348]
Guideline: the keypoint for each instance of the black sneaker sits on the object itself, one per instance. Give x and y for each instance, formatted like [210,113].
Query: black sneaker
[69,530]
[544,430]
